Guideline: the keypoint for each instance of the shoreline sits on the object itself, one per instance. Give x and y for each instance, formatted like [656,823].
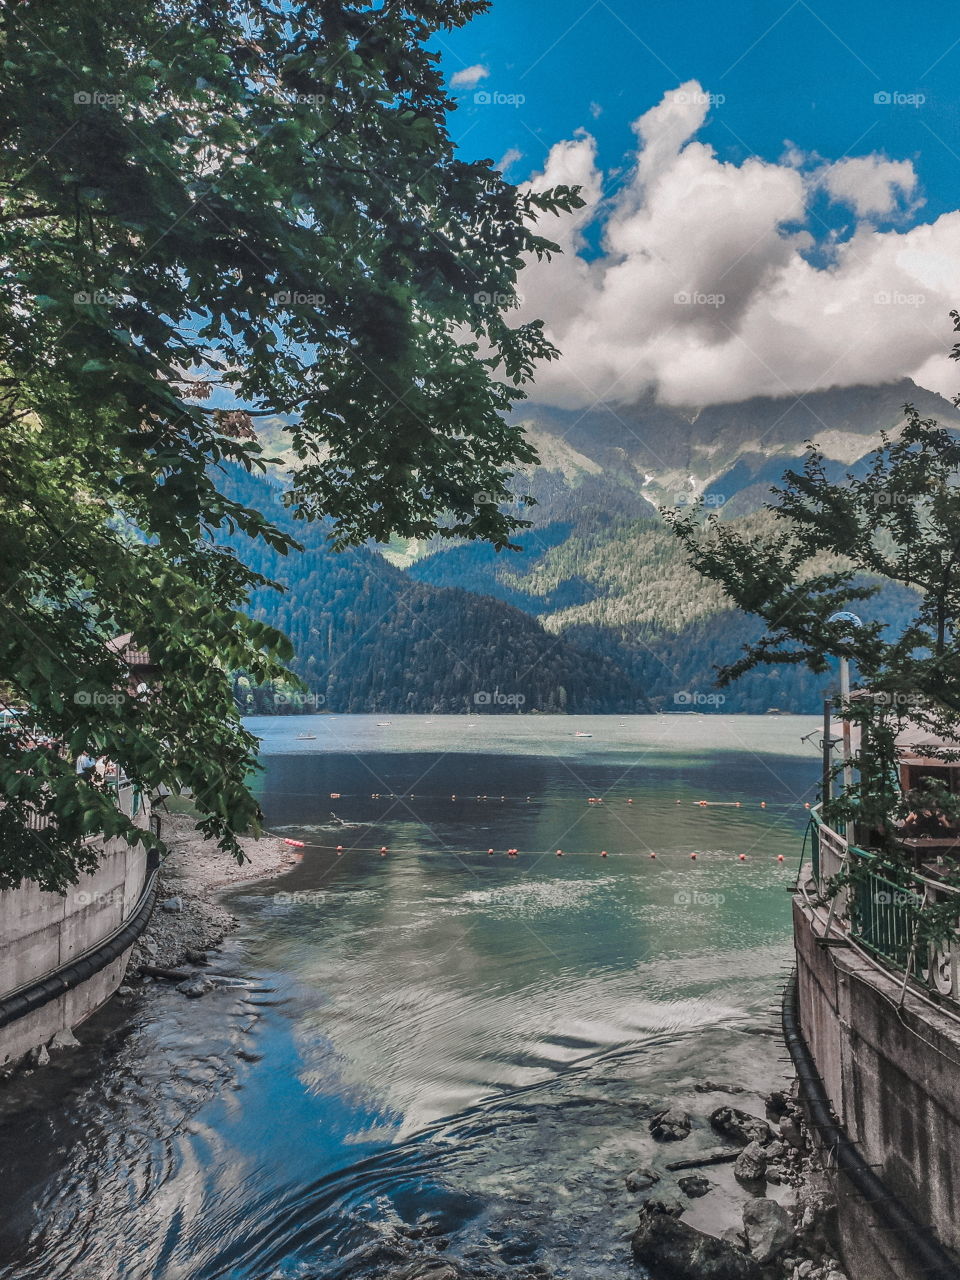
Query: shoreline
[188,919]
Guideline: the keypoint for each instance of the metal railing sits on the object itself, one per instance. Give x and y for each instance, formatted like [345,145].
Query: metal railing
[885,916]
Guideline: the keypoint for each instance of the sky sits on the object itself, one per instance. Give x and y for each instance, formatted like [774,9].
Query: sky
[772,188]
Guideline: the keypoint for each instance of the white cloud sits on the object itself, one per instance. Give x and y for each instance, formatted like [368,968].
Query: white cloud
[469,76]
[706,288]
[870,185]
[509,157]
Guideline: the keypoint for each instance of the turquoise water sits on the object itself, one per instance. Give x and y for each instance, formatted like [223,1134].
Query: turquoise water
[439,1030]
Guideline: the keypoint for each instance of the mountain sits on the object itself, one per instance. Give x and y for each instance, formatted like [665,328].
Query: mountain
[599,567]
[368,638]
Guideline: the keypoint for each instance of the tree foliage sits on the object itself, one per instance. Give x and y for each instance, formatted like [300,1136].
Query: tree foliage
[211,211]
[898,523]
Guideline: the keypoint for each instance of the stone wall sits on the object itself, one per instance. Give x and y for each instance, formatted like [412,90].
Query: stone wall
[892,1073]
[41,932]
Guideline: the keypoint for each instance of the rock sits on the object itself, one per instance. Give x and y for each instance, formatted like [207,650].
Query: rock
[125,991]
[172,904]
[751,1164]
[711,1086]
[670,1126]
[40,1057]
[64,1039]
[195,957]
[195,987]
[790,1132]
[673,1250]
[640,1179]
[777,1104]
[149,947]
[694,1185]
[804,1269]
[740,1125]
[768,1228]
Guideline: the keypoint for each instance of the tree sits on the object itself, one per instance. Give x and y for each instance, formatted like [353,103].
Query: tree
[214,212]
[898,522]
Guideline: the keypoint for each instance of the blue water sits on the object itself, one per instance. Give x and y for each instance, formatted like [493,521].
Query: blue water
[440,1031]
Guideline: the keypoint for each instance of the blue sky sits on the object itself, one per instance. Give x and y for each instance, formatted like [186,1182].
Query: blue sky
[787,218]
[786,70]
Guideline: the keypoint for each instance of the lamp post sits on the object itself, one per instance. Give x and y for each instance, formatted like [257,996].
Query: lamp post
[851,622]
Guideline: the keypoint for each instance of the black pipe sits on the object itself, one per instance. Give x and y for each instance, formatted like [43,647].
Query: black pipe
[53,985]
[931,1257]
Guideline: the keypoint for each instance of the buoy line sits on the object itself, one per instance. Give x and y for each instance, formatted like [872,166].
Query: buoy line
[455,798]
[384,850]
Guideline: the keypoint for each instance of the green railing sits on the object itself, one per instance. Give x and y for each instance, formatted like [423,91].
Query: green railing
[883,915]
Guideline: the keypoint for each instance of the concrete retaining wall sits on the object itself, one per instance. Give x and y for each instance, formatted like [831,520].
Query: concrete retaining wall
[40,932]
[893,1076]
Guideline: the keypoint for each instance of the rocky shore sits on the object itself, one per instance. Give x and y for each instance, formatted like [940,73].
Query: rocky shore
[188,921]
[777,1219]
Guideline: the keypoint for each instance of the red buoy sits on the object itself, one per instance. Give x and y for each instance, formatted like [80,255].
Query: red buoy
[653,855]
[339,848]
[490,851]
[559,853]
[629,802]
[603,853]
[779,857]
[383,851]
[743,857]
[693,856]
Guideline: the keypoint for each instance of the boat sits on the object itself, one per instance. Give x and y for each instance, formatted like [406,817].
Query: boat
[581,734]
[305,737]
[384,724]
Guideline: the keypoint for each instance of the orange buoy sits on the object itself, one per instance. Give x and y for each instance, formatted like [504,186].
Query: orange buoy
[559,853]
[383,851]
[629,802]
[339,848]
[763,804]
[334,795]
[603,853]
[737,804]
[297,844]
[490,851]
[807,805]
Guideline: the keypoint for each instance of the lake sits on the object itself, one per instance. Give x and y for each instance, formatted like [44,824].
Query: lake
[437,1041]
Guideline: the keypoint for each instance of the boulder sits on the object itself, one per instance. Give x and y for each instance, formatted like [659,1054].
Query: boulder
[740,1125]
[64,1039]
[195,987]
[777,1104]
[670,1126]
[790,1132]
[694,1185]
[673,1250]
[751,1164]
[767,1227]
[40,1056]
[172,904]
[640,1179]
